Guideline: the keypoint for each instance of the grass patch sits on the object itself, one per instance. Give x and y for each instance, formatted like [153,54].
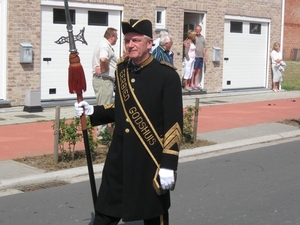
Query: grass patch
[291,76]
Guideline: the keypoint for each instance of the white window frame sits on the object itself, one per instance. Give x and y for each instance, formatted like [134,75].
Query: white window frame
[162,24]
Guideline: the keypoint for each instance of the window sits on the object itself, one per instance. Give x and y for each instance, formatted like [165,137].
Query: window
[97,18]
[255,28]
[236,27]
[59,16]
[160,20]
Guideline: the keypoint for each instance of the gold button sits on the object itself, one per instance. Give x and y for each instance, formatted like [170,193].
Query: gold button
[127,130]
[127,120]
[132,80]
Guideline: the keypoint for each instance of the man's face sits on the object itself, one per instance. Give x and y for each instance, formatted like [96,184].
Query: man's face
[198,30]
[114,38]
[137,46]
[169,45]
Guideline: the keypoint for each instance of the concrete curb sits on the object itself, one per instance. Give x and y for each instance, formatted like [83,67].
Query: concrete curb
[61,175]
[235,144]
[77,173]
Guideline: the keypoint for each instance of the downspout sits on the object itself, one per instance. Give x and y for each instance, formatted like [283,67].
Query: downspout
[282,26]
[282,33]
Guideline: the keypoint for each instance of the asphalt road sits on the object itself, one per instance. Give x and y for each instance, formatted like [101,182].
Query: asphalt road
[258,186]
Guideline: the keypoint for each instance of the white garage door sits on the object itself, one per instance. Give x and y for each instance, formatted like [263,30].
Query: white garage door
[55,57]
[245,54]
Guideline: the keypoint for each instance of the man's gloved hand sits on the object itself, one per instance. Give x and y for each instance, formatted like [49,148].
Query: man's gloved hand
[89,109]
[166,178]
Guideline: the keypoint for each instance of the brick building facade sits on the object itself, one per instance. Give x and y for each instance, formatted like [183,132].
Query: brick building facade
[291,40]
[27,26]
[22,26]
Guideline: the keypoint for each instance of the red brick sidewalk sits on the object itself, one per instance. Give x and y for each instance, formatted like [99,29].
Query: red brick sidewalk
[223,117]
[32,139]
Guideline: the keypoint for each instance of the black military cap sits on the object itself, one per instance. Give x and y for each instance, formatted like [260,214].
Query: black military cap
[142,26]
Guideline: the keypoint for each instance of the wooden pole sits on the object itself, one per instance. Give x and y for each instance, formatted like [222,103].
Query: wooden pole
[56,134]
[196,119]
[88,154]
[77,84]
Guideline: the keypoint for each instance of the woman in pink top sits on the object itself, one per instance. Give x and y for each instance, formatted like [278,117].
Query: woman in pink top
[189,59]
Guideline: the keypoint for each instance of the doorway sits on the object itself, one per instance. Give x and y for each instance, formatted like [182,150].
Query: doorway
[191,20]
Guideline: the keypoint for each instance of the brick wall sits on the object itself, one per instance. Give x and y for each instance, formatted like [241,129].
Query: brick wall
[215,13]
[23,26]
[291,38]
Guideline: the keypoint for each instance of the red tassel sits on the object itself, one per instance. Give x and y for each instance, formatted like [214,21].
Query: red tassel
[77,83]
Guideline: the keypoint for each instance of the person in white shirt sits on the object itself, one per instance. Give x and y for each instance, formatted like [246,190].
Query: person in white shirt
[104,65]
[276,61]
[189,60]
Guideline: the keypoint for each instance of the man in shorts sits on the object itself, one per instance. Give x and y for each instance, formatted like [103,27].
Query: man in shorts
[199,60]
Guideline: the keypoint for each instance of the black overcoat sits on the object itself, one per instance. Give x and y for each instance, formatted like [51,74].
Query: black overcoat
[126,190]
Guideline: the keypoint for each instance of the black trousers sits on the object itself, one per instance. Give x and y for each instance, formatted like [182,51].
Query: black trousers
[101,219]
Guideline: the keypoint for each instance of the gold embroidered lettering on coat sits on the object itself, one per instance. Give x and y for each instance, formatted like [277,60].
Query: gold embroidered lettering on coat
[142,126]
[135,114]
[124,86]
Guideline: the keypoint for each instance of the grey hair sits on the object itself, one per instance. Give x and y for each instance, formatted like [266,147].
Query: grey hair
[165,39]
[162,32]
[147,38]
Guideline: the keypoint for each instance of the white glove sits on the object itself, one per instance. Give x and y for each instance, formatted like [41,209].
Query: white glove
[166,178]
[89,109]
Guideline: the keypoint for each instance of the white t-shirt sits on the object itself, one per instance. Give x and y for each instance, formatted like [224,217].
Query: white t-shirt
[274,56]
[105,50]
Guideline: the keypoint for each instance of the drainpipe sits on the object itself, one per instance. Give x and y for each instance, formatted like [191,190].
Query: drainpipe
[282,33]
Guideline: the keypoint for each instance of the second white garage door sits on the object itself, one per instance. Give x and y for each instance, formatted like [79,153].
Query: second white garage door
[245,57]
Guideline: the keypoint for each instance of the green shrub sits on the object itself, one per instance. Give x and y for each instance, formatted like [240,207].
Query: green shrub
[107,134]
[189,113]
[70,133]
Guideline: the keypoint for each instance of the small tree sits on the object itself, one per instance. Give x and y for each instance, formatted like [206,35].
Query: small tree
[188,124]
[107,134]
[70,133]
[92,142]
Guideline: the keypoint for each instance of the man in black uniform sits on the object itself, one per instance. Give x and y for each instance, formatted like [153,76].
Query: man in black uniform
[142,160]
